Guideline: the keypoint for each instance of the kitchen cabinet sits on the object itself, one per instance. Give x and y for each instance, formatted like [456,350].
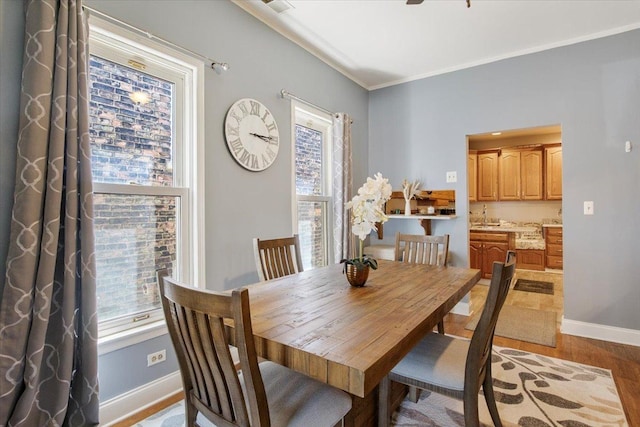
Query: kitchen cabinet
[530,259]
[487,247]
[487,176]
[472,175]
[553,165]
[553,243]
[520,175]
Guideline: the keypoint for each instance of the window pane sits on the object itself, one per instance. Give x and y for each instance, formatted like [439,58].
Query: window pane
[308,161]
[311,229]
[135,236]
[131,125]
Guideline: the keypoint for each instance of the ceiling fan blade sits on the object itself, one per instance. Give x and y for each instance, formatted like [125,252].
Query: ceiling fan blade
[414,1]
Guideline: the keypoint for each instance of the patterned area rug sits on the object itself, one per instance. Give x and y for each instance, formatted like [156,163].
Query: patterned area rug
[535,286]
[531,390]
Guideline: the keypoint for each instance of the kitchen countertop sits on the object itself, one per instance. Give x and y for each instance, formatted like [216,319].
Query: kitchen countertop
[527,236]
[552,225]
[504,228]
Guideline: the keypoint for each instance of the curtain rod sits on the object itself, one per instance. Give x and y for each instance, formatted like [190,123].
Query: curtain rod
[289,95]
[285,94]
[215,65]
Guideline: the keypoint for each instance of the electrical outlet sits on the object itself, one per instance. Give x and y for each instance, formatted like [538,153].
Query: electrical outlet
[452,176]
[588,208]
[157,357]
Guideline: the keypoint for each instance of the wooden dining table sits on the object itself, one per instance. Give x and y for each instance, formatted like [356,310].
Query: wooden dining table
[316,323]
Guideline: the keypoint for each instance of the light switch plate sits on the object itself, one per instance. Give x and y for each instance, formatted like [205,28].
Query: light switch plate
[588,207]
[452,176]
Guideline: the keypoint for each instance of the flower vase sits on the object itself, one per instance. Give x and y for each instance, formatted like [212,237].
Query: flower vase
[407,206]
[357,274]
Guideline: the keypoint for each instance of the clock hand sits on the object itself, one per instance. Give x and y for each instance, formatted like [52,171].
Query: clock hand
[262,137]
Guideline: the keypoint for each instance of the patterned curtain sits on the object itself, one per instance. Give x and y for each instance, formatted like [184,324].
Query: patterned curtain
[342,184]
[48,325]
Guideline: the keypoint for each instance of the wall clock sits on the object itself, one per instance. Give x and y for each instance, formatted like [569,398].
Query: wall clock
[252,134]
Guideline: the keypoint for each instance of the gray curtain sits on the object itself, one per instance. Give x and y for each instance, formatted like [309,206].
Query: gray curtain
[342,186]
[48,325]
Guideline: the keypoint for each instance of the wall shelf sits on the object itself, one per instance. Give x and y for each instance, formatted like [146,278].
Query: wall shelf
[425,221]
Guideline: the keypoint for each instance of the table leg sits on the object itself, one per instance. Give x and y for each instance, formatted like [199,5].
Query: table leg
[384,402]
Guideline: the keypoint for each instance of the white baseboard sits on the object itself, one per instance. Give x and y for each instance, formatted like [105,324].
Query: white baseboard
[600,332]
[461,308]
[131,402]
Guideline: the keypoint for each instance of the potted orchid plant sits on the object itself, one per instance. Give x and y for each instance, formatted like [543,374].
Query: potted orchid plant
[367,209]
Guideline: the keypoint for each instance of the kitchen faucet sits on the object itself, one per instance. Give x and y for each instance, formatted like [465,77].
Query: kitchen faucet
[484,215]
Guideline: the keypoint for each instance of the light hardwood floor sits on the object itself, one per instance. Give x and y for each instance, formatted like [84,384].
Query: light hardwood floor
[622,360]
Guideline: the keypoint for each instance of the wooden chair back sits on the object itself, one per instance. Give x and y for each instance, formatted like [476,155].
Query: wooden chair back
[422,249]
[479,356]
[196,323]
[277,257]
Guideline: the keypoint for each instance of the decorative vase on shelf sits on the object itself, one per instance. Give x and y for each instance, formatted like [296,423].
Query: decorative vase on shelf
[357,274]
[407,206]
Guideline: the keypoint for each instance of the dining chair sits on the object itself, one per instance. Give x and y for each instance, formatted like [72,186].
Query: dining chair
[423,249]
[511,256]
[455,366]
[277,257]
[259,394]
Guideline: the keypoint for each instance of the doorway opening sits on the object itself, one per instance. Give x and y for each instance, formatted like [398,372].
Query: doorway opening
[515,203]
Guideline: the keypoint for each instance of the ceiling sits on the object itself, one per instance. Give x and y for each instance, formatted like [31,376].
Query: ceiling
[515,133]
[379,43]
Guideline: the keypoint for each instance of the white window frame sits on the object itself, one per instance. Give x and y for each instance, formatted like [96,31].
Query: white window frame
[307,116]
[117,44]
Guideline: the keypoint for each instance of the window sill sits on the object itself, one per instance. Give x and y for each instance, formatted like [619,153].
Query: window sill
[130,337]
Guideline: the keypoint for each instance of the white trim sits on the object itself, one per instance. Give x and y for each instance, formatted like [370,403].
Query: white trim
[131,336]
[318,53]
[115,43]
[294,200]
[508,55]
[123,406]
[198,185]
[600,332]
[463,308]
[310,117]
[271,22]
[141,190]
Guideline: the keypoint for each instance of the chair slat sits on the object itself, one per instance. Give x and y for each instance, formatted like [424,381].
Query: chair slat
[202,343]
[277,257]
[199,387]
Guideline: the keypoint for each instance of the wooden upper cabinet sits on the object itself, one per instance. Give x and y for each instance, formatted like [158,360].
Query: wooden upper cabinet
[531,175]
[520,175]
[487,176]
[553,159]
[509,170]
[472,176]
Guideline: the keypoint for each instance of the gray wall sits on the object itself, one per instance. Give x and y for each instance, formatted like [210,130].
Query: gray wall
[418,130]
[239,204]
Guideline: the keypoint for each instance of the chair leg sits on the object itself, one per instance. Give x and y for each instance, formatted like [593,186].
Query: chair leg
[190,413]
[441,327]
[384,397]
[489,397]
[471,417]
